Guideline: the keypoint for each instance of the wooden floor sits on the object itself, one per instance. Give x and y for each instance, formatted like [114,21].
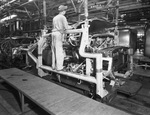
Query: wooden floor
[54,99]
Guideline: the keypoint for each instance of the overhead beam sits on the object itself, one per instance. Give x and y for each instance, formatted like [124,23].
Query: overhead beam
[27,12]
[7,4]
[44,12]
[132,6]
[75,9]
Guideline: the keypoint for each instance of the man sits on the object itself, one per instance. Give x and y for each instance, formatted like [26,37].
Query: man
[60,24]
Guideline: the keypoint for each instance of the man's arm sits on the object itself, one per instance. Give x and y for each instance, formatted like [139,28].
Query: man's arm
[65,23]
[46,35]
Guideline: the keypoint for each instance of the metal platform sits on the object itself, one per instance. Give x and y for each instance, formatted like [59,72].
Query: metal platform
[53,98]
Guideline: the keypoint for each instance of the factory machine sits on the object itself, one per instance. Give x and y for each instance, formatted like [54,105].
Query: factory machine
[95,61]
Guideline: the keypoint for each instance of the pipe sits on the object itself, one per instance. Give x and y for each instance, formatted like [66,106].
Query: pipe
[75,9]
[25,3]
[36,6]
[7,4]
[86,9]
[79,11]
[1,7]
[126,75]
[84,41]
[85,36]
[32,56]
[73,75]
[44,12]
[29,52]
[116,24]
[99,76]
[74,31]
[27,12]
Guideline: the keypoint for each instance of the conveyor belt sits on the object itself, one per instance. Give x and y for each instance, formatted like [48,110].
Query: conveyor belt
[53,98]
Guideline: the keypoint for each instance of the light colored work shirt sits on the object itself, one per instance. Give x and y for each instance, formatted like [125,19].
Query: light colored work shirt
[60,23]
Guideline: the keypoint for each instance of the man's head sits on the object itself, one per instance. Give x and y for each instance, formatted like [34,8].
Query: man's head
[62,8]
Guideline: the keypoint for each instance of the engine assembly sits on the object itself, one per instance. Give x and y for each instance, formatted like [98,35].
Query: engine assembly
[93,62]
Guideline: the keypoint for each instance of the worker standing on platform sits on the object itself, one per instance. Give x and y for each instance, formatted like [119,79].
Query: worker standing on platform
[60,24]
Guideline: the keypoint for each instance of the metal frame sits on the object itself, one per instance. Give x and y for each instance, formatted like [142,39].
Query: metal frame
[98,80]
[99,62]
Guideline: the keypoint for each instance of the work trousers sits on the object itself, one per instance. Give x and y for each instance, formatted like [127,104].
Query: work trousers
[57,50]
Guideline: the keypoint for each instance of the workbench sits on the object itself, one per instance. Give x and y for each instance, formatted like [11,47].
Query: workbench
[54,99]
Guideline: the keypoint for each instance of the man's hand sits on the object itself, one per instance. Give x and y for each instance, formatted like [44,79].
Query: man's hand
[46,35]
